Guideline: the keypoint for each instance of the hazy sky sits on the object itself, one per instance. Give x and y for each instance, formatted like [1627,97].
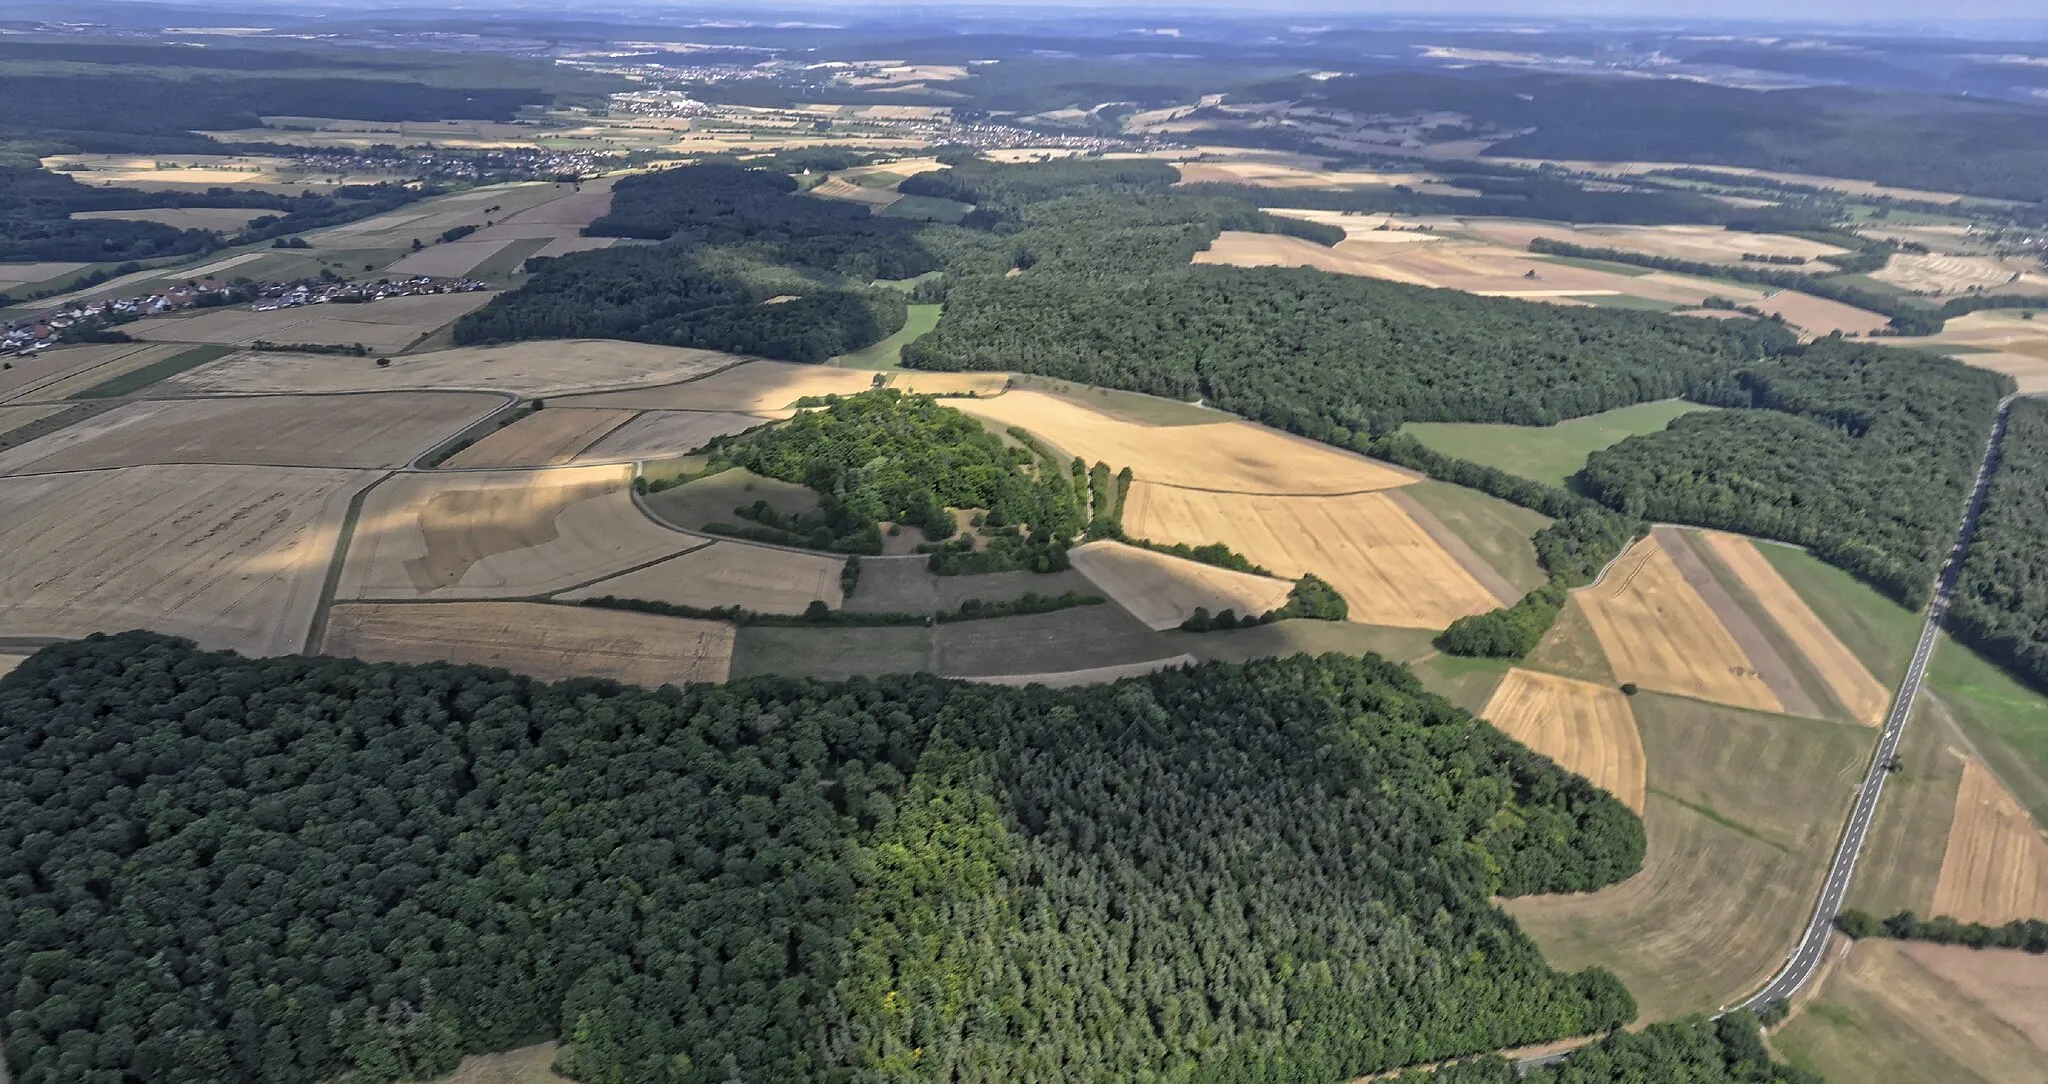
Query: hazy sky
[1834,11]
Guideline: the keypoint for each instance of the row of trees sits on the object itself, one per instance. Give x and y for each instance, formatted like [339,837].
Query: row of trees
[300,869]
[2026,934]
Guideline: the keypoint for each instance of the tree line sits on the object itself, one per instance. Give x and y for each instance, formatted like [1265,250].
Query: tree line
[298,870]
[1694,1049]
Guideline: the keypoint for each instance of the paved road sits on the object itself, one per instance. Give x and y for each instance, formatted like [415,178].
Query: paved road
[1806,958]
[1813,945]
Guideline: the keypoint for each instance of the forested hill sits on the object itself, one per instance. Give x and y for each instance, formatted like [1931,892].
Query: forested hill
[288,869]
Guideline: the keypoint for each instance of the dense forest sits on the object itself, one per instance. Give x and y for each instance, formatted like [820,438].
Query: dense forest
[225,869]
[1863,453]
[35,222]
[2000,606]
[745,264]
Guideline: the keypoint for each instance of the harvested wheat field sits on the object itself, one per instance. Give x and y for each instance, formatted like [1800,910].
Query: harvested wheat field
[15,417]
[1229,456]
[544,438]
[1586,728]
[1817,315]
[1846,677]
[2011,983]
[1164,591]
[841,189]
[18,274]
[536,639]
[1996,867]
[1929,273]
[731,574]
[755,386]
[388,325]
[508,534]
[1897,1011]
[1377,229]
[1660,634]
[232,557]
[980,385]
[1275,174]
[67,370]
[451,259]
[1704,244]
[1386,566]
[281,431]
[1094,675]
[559,367]
[2003,341]
[658,434]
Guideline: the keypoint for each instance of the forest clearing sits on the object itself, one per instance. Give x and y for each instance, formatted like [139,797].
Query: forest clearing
[1996,866]
[561,367]
[232,557]
[755,578]
[499,534]
[1163,591]
[1587,728]
[546,641]
[368,431]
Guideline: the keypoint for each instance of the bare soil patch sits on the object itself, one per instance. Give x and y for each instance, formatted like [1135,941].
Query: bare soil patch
[544,641]
[1586,728]
[286,431]
[232,557]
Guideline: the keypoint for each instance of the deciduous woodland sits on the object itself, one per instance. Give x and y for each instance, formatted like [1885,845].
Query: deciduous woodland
[290,869]
[2001,601]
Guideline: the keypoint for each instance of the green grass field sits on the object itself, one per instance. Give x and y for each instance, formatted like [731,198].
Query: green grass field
[1547,453]
[1571,649]
[1498,531]
[1075,639]
[141,378]
[888,354]
[927,209]
[1877,630]
[1909,836]
[1744,809]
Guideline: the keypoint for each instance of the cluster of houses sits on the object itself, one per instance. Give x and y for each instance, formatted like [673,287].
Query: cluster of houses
[428,163]
[291,295]
[45,329]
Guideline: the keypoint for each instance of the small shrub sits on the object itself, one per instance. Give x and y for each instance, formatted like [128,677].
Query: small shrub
[1628,688]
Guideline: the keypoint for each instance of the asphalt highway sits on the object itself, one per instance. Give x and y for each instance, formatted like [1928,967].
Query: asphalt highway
[1806,956]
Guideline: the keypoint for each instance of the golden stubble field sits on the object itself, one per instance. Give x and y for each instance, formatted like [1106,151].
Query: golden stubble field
[64,371]
[375,430]
[1996,867]
[1853,685]
[1586,728]
[1938,273]
[658,434]
[751,388]
[388,325]
[550,642]
[499,534]
[559,367]
[545,438]
[232,557]
[1164,591]
[1659,633]
[756,578]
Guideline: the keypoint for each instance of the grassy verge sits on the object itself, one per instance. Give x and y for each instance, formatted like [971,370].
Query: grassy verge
[130,382]
[2005,722]
[888,354]
[1549,454]
[1498,531]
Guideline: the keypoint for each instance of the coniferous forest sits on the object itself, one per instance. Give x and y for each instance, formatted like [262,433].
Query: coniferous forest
[292,869]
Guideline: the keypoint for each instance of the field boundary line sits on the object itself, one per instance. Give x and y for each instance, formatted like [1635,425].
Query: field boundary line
[556,596]
[316,630]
